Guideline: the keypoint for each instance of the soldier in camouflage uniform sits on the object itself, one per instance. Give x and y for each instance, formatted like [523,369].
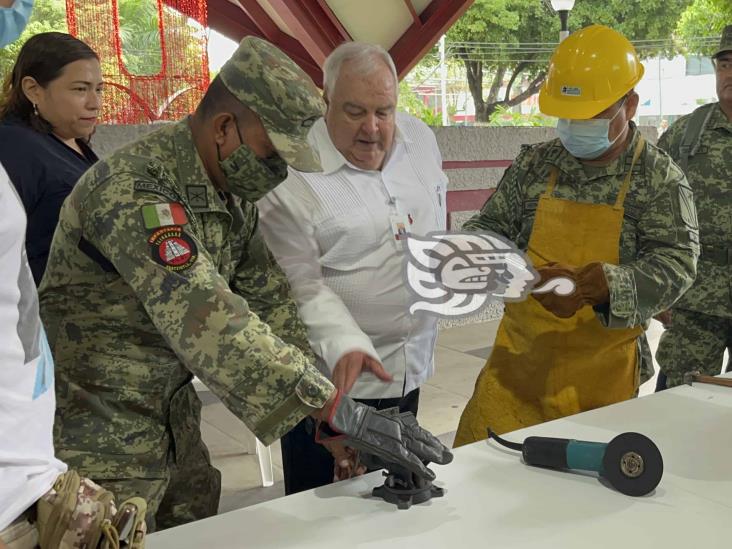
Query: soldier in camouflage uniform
[158,272]
[603,207]
[699,328]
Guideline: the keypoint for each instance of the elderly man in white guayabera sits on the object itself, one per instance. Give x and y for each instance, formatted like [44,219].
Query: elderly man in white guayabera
[340,237]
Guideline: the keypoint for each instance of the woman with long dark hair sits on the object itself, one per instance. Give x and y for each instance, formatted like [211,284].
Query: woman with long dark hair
[48,110]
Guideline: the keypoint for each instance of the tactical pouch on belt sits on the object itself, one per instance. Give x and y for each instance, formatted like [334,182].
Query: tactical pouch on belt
[77,513]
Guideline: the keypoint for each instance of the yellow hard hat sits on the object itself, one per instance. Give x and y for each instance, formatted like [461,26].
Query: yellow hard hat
[589,71]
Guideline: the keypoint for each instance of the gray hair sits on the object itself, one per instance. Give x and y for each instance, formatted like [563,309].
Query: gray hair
[363,57]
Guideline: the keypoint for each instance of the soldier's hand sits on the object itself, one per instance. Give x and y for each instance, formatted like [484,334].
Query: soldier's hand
[590,288]
[665,318]
[351,365]
[393,438]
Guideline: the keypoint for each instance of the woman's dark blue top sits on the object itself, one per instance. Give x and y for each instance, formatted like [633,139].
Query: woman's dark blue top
[43,170]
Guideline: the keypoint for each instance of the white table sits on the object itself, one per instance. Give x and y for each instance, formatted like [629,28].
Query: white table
[495,501]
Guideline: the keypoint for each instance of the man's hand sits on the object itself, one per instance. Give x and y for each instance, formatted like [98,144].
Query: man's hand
[351,365]
[346,461]
[590,288]
[394,439]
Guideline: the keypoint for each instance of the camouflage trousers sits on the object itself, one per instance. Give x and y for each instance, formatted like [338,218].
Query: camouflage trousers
[693,342]
[189,490]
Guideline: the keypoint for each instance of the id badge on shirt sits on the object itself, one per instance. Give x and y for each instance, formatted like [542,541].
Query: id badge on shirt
[400,225]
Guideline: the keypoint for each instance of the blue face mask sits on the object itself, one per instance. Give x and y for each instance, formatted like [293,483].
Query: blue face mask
[587,139]
[13,20]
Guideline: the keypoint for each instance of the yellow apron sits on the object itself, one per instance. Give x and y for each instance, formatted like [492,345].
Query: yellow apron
[543,367]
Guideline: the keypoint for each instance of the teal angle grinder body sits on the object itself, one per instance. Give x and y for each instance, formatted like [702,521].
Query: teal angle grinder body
[630,462]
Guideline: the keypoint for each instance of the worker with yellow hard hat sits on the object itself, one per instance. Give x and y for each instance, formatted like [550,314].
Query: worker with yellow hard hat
[599,205]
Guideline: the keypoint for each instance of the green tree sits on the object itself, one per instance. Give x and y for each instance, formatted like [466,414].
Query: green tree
[701,24]
[411,103]
[47,16]
[504,116]
[139,22]
[140,34]
[510,41]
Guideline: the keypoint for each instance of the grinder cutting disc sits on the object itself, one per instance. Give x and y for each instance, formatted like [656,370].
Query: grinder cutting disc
[632,464]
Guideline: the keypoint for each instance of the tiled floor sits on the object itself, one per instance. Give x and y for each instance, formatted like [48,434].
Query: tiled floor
[461,353]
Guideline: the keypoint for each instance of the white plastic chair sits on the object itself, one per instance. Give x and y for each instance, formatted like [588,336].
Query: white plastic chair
[264,454]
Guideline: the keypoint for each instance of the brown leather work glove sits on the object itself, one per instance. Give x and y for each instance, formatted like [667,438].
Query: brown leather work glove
[665,318]
[590,288]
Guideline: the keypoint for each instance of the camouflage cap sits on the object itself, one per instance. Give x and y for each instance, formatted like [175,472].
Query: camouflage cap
[283,96]
[725,44]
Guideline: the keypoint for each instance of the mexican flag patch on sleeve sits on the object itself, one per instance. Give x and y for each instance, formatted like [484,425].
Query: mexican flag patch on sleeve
[162,215]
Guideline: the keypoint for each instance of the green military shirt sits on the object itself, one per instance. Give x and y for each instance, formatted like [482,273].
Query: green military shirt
[155,277]
[659,238]
[709,173]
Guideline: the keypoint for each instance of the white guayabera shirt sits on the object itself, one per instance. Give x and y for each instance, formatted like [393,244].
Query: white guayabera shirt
[28,467]
[334,234]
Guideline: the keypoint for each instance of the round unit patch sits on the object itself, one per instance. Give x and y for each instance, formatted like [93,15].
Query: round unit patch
[172,248]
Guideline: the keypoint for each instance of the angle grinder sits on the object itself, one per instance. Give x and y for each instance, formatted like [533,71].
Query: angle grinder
[630,462]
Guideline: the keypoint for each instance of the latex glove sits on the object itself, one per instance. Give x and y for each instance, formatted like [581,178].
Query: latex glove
[351,365]
[590,288]
[665,318]
[394,439]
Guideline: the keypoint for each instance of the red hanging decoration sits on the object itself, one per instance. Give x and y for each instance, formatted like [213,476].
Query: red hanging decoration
[150,74]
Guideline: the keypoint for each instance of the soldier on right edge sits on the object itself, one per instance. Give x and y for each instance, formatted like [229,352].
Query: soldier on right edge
[699,328]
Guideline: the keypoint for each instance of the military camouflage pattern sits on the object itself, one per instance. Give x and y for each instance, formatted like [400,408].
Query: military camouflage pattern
[693,342]
[659,237]
[20,534]
[251,177]
[284,97]
[128,332]
[702,319]
[708,173]
[86,517]
[76,513]
[725,44]
[189,491]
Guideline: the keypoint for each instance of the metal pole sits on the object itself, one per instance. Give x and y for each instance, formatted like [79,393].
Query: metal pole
[563,16]
[660,93]
[443,83]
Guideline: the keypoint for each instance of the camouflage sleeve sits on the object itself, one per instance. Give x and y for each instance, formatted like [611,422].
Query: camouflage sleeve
[501,213]
[262,283]
[268,384]
[668,248]
[669,141]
